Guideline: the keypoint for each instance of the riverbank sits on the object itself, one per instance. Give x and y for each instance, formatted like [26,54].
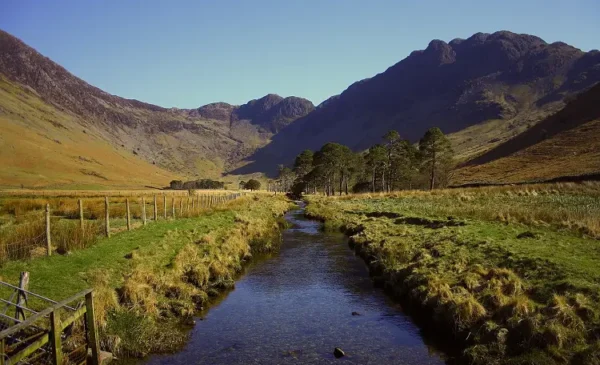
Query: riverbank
[150,280]
[298,305]
[520,286]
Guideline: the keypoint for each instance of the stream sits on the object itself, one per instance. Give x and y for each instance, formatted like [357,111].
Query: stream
[297,305]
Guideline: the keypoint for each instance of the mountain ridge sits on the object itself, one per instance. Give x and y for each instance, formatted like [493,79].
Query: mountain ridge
[516,78]
[483,91]
[178,140]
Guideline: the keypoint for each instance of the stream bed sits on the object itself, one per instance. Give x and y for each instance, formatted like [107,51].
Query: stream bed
[297,305]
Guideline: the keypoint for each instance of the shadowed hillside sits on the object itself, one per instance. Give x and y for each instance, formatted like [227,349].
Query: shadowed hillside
[564,144]
[501,82]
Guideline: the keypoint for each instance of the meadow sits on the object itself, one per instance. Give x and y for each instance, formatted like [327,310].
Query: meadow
[23,216]
[149,281]
[509,273]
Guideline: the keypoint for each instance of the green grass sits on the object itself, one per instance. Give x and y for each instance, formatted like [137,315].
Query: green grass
[105,267]
[504,298]
[158,275]
[61,276]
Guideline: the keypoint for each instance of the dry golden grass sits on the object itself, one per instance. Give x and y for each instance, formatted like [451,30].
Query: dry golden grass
[22,220]
[572,206]
[103,193]
[45,147]
[571,153]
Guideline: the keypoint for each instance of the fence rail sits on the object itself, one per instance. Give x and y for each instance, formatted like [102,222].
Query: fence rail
[40,241]
[27,340]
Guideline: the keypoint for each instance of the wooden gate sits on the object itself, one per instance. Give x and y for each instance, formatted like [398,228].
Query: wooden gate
[36,337]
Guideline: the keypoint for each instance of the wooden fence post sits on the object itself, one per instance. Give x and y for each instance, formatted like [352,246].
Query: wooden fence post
[181,207]
[81,216]
[107,217]
[128,214]
[48,238]
[55,333]
[165,205]
[155,209]
[144,210]
[173,207]
[2,351]
[193,204]
[187,205]
[92,331]
[21,295]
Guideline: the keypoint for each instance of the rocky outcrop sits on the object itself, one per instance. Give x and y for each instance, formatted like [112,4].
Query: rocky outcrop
[499,76]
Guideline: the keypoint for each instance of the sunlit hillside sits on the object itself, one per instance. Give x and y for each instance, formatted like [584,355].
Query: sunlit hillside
[40,146]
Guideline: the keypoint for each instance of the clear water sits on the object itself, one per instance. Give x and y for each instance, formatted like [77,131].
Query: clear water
[296,307]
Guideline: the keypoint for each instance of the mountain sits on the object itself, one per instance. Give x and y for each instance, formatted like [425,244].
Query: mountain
[271,113]
[498,96]
[483,91]
[44,105]
[566,144]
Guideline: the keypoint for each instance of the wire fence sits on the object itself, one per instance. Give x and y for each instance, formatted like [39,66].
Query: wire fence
[76,224]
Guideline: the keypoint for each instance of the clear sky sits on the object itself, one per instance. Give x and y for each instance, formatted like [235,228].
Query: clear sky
[190,53]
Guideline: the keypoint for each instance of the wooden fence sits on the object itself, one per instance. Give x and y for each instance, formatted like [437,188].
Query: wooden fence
[39,337]
[147,212]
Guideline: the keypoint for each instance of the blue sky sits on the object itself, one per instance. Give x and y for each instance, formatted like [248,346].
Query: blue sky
[190,53]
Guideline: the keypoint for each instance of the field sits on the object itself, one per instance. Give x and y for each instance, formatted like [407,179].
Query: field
[23,218]
[510,272]
[148,280]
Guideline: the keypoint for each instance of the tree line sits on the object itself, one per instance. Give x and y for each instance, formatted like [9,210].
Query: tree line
[251,185]
[392,164]
[196,184]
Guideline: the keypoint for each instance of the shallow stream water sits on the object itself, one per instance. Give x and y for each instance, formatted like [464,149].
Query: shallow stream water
[296,306]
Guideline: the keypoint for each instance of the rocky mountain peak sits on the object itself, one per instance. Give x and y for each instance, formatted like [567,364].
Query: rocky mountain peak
[439,52]
[455,85]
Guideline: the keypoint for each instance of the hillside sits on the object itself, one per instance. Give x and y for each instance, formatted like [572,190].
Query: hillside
[484,90]
[167,142]
[564,144]
[41,146]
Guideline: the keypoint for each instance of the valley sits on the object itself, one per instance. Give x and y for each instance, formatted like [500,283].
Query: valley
[485,92]
[445,210]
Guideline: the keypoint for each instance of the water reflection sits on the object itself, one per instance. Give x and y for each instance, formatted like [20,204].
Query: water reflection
[296,307]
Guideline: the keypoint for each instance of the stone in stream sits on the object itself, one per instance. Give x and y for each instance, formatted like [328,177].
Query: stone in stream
[337,352]
[355,314]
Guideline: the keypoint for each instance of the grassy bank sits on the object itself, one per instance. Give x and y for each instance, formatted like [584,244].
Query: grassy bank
[23,225]
[158,275]
[510,273]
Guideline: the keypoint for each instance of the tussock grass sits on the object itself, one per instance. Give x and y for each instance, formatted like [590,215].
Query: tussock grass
[506,299]
[572,206]
[148,280]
